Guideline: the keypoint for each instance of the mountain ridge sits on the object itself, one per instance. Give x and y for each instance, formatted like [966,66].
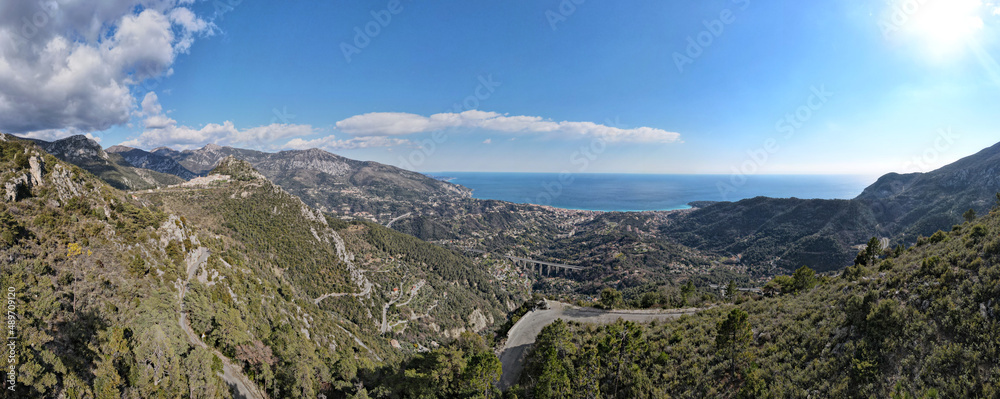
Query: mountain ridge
[229,266]
[901,207]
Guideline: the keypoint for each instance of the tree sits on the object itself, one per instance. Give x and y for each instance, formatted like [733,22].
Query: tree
[588,378]
[650,299]
[869,255]
[785,284]
[623,341]
[969,215]
[553,361]
[686,290]
[804,279]
[483,370]
[611,298]
[202,381]
[733,340]
[731,291]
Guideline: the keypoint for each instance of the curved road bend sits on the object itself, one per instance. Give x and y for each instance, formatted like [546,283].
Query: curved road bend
[524,332]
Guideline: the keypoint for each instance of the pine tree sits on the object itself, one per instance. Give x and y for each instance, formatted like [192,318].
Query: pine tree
[733,340]
[969,215]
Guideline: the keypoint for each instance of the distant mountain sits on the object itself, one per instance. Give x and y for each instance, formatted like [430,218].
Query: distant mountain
[111,167]
[824,234]
[151,161]
[330,182]
[782,232]
[914,204]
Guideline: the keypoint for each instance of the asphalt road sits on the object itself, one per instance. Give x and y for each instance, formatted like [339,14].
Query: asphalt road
[523,334]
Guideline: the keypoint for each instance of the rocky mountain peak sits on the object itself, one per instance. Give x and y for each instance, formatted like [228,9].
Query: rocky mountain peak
[159,162]
[212,147]
[238,169]
[119,148]
[75,149]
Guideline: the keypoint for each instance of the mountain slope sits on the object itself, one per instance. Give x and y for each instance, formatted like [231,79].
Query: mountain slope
[825,234]
[109,166]
[225,280]
[785,232]
[368,190]
[921,203]
[363,271]
[923,324]
[154,162]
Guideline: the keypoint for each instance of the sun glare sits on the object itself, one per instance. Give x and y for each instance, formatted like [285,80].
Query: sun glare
[943,28]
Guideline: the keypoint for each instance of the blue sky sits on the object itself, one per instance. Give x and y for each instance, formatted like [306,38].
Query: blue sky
[870,86]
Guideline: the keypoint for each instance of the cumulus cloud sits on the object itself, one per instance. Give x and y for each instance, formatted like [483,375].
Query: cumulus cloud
[73,65]
[331,143]
[396,123]
[56,134]
[161,130]
[488,141]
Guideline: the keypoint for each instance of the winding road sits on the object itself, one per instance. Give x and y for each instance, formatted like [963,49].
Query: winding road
[397,218]
[523,334]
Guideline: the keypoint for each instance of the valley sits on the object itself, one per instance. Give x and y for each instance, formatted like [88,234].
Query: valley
[271,296]
[553,199]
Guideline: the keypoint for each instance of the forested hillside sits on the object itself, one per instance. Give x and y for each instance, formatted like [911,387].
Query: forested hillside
[225,282]
[924,322]
[109,166]
[790,232]
[329,182]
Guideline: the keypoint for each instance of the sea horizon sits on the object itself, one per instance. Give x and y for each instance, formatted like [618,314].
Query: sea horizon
[641,192]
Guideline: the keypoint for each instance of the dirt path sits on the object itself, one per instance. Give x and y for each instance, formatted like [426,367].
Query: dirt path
[241,387]
[239,384]
[523,334]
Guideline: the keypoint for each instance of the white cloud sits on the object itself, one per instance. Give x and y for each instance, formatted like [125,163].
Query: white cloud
[56,134]
[74,64]
[161,130]
[331,143]
[395,123]
[488,141]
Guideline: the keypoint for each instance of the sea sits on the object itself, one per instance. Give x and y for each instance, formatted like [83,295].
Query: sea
[649,192]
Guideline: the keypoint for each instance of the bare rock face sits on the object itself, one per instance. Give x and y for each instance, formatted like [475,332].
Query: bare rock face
[62,178]
[477,321]
[37,168]
[17,188]
[20,187]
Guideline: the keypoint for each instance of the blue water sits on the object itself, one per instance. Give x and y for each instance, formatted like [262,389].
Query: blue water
[644,192]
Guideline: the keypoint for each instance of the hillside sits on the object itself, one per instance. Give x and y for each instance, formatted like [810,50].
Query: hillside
[331,183]
[924,323]
[825,234]
[911,205]
[381,280]
[151,161]
[109,166]
[224,282]
[782,232]
[614,246]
